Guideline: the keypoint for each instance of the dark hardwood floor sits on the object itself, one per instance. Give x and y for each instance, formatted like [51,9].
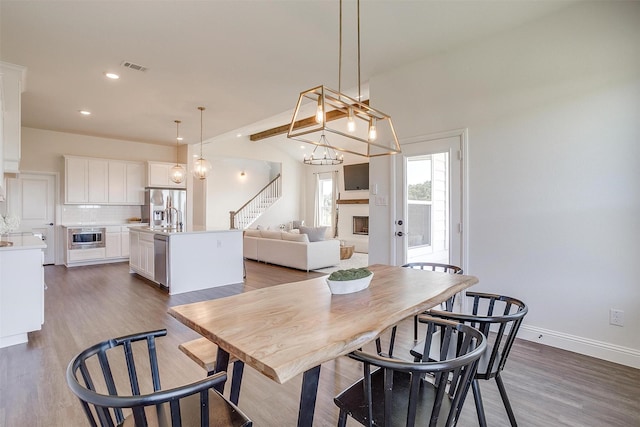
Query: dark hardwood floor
[84,305]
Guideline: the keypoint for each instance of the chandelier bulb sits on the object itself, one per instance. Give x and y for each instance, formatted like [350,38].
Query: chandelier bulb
[351,124]
[319,111]
[373,133]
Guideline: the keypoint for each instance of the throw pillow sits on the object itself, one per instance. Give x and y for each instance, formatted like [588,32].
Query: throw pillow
[293,237]
[315,234]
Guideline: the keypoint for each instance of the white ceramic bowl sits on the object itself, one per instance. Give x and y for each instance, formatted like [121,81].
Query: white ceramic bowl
[338,287]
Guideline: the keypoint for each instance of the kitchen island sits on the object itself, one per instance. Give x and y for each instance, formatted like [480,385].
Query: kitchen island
[21,287]
[185,261]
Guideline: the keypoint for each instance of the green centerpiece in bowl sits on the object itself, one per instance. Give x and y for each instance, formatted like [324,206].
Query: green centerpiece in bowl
[348,281]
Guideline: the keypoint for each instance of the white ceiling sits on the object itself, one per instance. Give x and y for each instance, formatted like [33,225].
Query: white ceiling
[245,61]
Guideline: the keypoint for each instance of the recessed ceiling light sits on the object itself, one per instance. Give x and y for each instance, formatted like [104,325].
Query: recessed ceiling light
[180,138]
[112,76]
[303,147]
[238,135]
[85,112]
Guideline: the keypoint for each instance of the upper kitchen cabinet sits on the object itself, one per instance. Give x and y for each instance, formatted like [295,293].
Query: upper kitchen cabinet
[101,181]
[12,78]
[126,182]
[158,175]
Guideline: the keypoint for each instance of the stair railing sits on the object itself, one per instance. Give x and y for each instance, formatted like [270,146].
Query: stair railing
[255,207]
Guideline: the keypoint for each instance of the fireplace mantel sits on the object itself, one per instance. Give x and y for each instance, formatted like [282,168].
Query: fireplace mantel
[352,201]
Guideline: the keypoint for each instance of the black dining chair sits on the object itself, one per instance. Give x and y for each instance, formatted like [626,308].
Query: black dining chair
[396,392]
[118,384]
[498,317]
[434,266]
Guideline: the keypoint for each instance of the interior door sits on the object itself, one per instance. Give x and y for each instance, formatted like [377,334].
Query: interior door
[429,206]
[32,198]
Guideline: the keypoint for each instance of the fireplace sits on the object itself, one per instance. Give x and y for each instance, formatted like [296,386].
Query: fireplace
[361,225]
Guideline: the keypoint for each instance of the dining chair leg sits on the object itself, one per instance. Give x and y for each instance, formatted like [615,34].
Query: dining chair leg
[477,397]
[342,419]
[415,328]
[505,400]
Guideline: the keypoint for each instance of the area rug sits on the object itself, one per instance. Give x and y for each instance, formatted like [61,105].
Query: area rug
[357,260]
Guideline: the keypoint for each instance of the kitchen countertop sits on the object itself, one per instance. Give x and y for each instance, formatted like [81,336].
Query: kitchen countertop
[22,242]
[189,230]
[104,224]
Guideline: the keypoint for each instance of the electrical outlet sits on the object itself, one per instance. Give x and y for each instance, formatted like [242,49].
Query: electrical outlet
[616,317]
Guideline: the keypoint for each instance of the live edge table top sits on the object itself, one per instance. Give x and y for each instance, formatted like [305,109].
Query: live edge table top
[284,330]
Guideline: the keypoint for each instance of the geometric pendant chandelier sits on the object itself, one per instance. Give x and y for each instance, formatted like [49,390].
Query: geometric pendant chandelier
[328,118]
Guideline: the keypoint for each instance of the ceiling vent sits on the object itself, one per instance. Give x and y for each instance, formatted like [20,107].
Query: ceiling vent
[133,66]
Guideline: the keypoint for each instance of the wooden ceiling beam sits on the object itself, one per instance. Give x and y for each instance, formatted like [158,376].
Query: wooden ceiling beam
[302,123]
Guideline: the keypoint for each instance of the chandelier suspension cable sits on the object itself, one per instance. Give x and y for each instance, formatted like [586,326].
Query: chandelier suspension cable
[359,95]
[201,110]
[340,53]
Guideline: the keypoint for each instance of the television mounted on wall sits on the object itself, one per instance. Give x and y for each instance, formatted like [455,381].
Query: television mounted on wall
[356,176]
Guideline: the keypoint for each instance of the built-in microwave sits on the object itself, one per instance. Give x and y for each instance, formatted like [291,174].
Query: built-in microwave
[86,238]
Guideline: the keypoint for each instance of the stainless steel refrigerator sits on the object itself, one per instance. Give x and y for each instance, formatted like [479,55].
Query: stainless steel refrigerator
[165,207]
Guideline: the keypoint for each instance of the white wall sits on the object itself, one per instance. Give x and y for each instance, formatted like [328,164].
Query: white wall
[288,208]
[228,190]
[553,113]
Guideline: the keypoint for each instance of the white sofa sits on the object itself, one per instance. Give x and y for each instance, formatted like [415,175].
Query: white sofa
[290,249]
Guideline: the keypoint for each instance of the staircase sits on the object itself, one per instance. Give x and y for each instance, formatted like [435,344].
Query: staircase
[251,211]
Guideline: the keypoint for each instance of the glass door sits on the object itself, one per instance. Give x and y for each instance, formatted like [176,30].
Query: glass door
[429,207]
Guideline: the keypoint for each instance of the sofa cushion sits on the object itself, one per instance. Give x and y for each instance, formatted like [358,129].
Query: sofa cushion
[250,232]
[268,234]
[315,234]
[295,237]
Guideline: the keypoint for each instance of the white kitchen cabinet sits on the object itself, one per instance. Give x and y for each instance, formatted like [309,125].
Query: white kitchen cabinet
[124,242]
[134,250]
[12,80]
[141,257]
[158,175]
[104,182]
[117,242]
[21,289]
[135,183]
[86,180]
[126,182]
[98,186]
[76,180]
[113,242]
[117,182]
[85,256]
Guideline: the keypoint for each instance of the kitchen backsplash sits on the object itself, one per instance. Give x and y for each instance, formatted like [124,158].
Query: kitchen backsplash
[98,214]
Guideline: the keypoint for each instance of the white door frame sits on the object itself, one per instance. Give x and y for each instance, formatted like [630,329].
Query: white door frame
[462,134]
[53,241]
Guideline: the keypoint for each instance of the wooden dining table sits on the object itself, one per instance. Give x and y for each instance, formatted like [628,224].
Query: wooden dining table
[291,329]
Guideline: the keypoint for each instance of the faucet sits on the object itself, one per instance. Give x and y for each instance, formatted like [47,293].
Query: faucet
[170,217]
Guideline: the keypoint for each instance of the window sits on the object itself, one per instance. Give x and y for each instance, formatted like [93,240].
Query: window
[325,201]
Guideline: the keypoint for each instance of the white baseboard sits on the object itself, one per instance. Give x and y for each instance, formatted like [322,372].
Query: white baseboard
[602,350]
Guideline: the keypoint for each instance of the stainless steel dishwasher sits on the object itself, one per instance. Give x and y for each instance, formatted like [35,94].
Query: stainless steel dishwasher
[161,259]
